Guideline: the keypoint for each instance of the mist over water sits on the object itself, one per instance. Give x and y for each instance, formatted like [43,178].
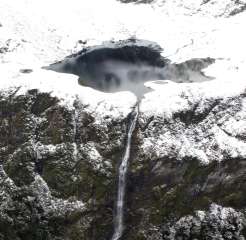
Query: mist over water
[128,65]
[114,76]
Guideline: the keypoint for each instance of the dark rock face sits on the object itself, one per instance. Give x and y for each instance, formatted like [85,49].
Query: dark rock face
[170,183]
[57,169]
[165,195]
[58,172]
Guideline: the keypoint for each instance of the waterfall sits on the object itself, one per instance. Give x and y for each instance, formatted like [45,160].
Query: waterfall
[119,216]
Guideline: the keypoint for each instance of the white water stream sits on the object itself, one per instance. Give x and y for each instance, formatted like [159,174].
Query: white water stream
[119,216]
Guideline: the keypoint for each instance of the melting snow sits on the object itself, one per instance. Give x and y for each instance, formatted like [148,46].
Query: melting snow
[36,33]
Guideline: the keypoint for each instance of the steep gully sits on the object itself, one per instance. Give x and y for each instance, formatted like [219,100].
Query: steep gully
[119,216]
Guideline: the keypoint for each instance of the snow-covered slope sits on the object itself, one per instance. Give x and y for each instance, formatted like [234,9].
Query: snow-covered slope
[60,145]
[34,34]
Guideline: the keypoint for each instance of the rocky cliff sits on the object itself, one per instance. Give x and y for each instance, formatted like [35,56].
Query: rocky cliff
[59,166]
[57,169]
[61,143]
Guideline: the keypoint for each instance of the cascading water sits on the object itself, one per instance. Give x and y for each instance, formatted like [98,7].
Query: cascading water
[119,216]
[126,66]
